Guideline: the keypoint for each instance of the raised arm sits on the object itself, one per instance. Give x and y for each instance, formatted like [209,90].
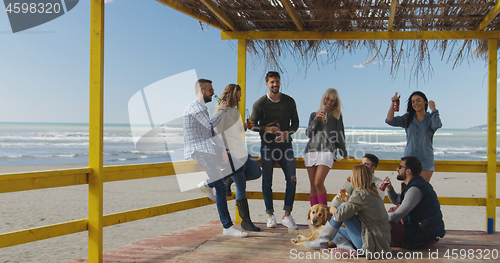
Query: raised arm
[219,128]
[349,189]
[350,208]
[390,114]
[313,124]
[202,117]
[393,196]
[216,118]
[435,119]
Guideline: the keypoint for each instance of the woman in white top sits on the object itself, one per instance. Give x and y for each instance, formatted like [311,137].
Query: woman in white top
[231,128]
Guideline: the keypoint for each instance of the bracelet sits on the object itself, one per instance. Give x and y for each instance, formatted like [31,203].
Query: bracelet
[221,109]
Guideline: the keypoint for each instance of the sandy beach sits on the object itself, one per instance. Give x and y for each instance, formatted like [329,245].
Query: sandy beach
[27,209]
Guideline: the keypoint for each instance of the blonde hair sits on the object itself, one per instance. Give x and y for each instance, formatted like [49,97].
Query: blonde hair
[362,178]
[333,95]
[229,95]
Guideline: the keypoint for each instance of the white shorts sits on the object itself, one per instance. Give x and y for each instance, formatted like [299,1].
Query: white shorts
[319,158]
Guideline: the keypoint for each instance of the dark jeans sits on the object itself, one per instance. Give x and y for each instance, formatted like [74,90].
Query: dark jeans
[252,172]
[285,157]
[398,231]
[210,163]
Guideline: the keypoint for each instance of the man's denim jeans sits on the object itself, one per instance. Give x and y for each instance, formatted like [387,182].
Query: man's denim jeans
[285,158]
[210,164]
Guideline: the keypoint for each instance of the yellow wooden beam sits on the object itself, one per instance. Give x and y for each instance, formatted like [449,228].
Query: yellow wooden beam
[192,13]
[96,130]
[394,4]
[66,228]
[492,137]
[39,180]
[490,16]
[60,178]
[242,75]
[140,171]
[462,201]
[219,13]
[40,233]
[455,201]
[359,35]
[143,213]
[391,165]
[293,14]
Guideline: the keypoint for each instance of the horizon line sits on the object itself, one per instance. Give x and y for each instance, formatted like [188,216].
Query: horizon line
[346,127]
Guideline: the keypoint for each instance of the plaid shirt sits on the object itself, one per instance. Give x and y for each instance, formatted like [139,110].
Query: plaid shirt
[199,134]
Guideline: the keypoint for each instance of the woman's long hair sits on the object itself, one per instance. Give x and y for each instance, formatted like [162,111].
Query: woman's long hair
[229,95]
[362,178]
[333,95]
[409,108]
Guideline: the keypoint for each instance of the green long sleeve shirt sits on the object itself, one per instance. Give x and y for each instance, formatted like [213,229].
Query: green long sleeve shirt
[267,113]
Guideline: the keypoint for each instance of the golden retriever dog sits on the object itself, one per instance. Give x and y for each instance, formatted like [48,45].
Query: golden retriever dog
[317,216]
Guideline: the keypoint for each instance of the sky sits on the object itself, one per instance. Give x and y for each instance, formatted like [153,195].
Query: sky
[44,71]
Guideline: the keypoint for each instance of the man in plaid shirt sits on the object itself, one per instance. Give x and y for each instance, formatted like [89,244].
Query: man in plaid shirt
[202,144]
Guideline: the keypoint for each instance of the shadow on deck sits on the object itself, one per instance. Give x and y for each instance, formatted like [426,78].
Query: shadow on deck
[205,243]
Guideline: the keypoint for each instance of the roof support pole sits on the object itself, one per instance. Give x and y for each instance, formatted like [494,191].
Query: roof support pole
[242,82]
[96,100]
[242,74]
[492,137]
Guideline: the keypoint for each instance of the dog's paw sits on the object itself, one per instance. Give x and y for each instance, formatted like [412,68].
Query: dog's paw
[294,241]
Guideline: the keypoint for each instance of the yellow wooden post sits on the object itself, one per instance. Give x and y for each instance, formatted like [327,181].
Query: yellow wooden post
[96,130]
[492,137]
[242,74]
[242,82]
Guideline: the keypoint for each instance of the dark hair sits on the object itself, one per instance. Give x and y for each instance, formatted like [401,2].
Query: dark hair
[272,74]
[202,82]
[410,110]
[413,164]
[372,158]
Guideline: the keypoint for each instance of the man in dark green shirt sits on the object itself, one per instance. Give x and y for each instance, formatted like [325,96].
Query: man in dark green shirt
[276,118]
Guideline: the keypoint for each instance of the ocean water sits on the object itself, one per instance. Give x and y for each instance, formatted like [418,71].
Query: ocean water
[56,143]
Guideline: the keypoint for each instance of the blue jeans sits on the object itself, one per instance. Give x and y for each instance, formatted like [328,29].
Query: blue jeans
[210,163]
[252,172]
[285,158]
[351,232]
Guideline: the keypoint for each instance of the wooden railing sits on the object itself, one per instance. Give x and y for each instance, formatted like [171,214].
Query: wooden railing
[61,178]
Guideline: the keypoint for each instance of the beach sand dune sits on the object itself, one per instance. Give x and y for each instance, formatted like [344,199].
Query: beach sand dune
[27,209]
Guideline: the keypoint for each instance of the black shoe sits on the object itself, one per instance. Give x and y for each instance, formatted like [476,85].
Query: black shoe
[244,212]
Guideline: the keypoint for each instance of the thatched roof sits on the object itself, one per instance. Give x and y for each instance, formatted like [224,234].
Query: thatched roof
[352,17]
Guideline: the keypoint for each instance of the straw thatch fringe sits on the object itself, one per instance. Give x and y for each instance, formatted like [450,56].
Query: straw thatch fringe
[360,15]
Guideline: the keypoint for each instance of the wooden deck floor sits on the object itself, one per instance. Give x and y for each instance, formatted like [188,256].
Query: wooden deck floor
[205,243]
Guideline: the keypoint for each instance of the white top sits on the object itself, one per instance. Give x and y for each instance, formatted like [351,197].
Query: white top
[231,129]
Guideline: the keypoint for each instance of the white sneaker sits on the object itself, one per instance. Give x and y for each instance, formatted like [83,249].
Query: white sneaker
[271,221]
[207,190]
[234,232]
[289,222]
